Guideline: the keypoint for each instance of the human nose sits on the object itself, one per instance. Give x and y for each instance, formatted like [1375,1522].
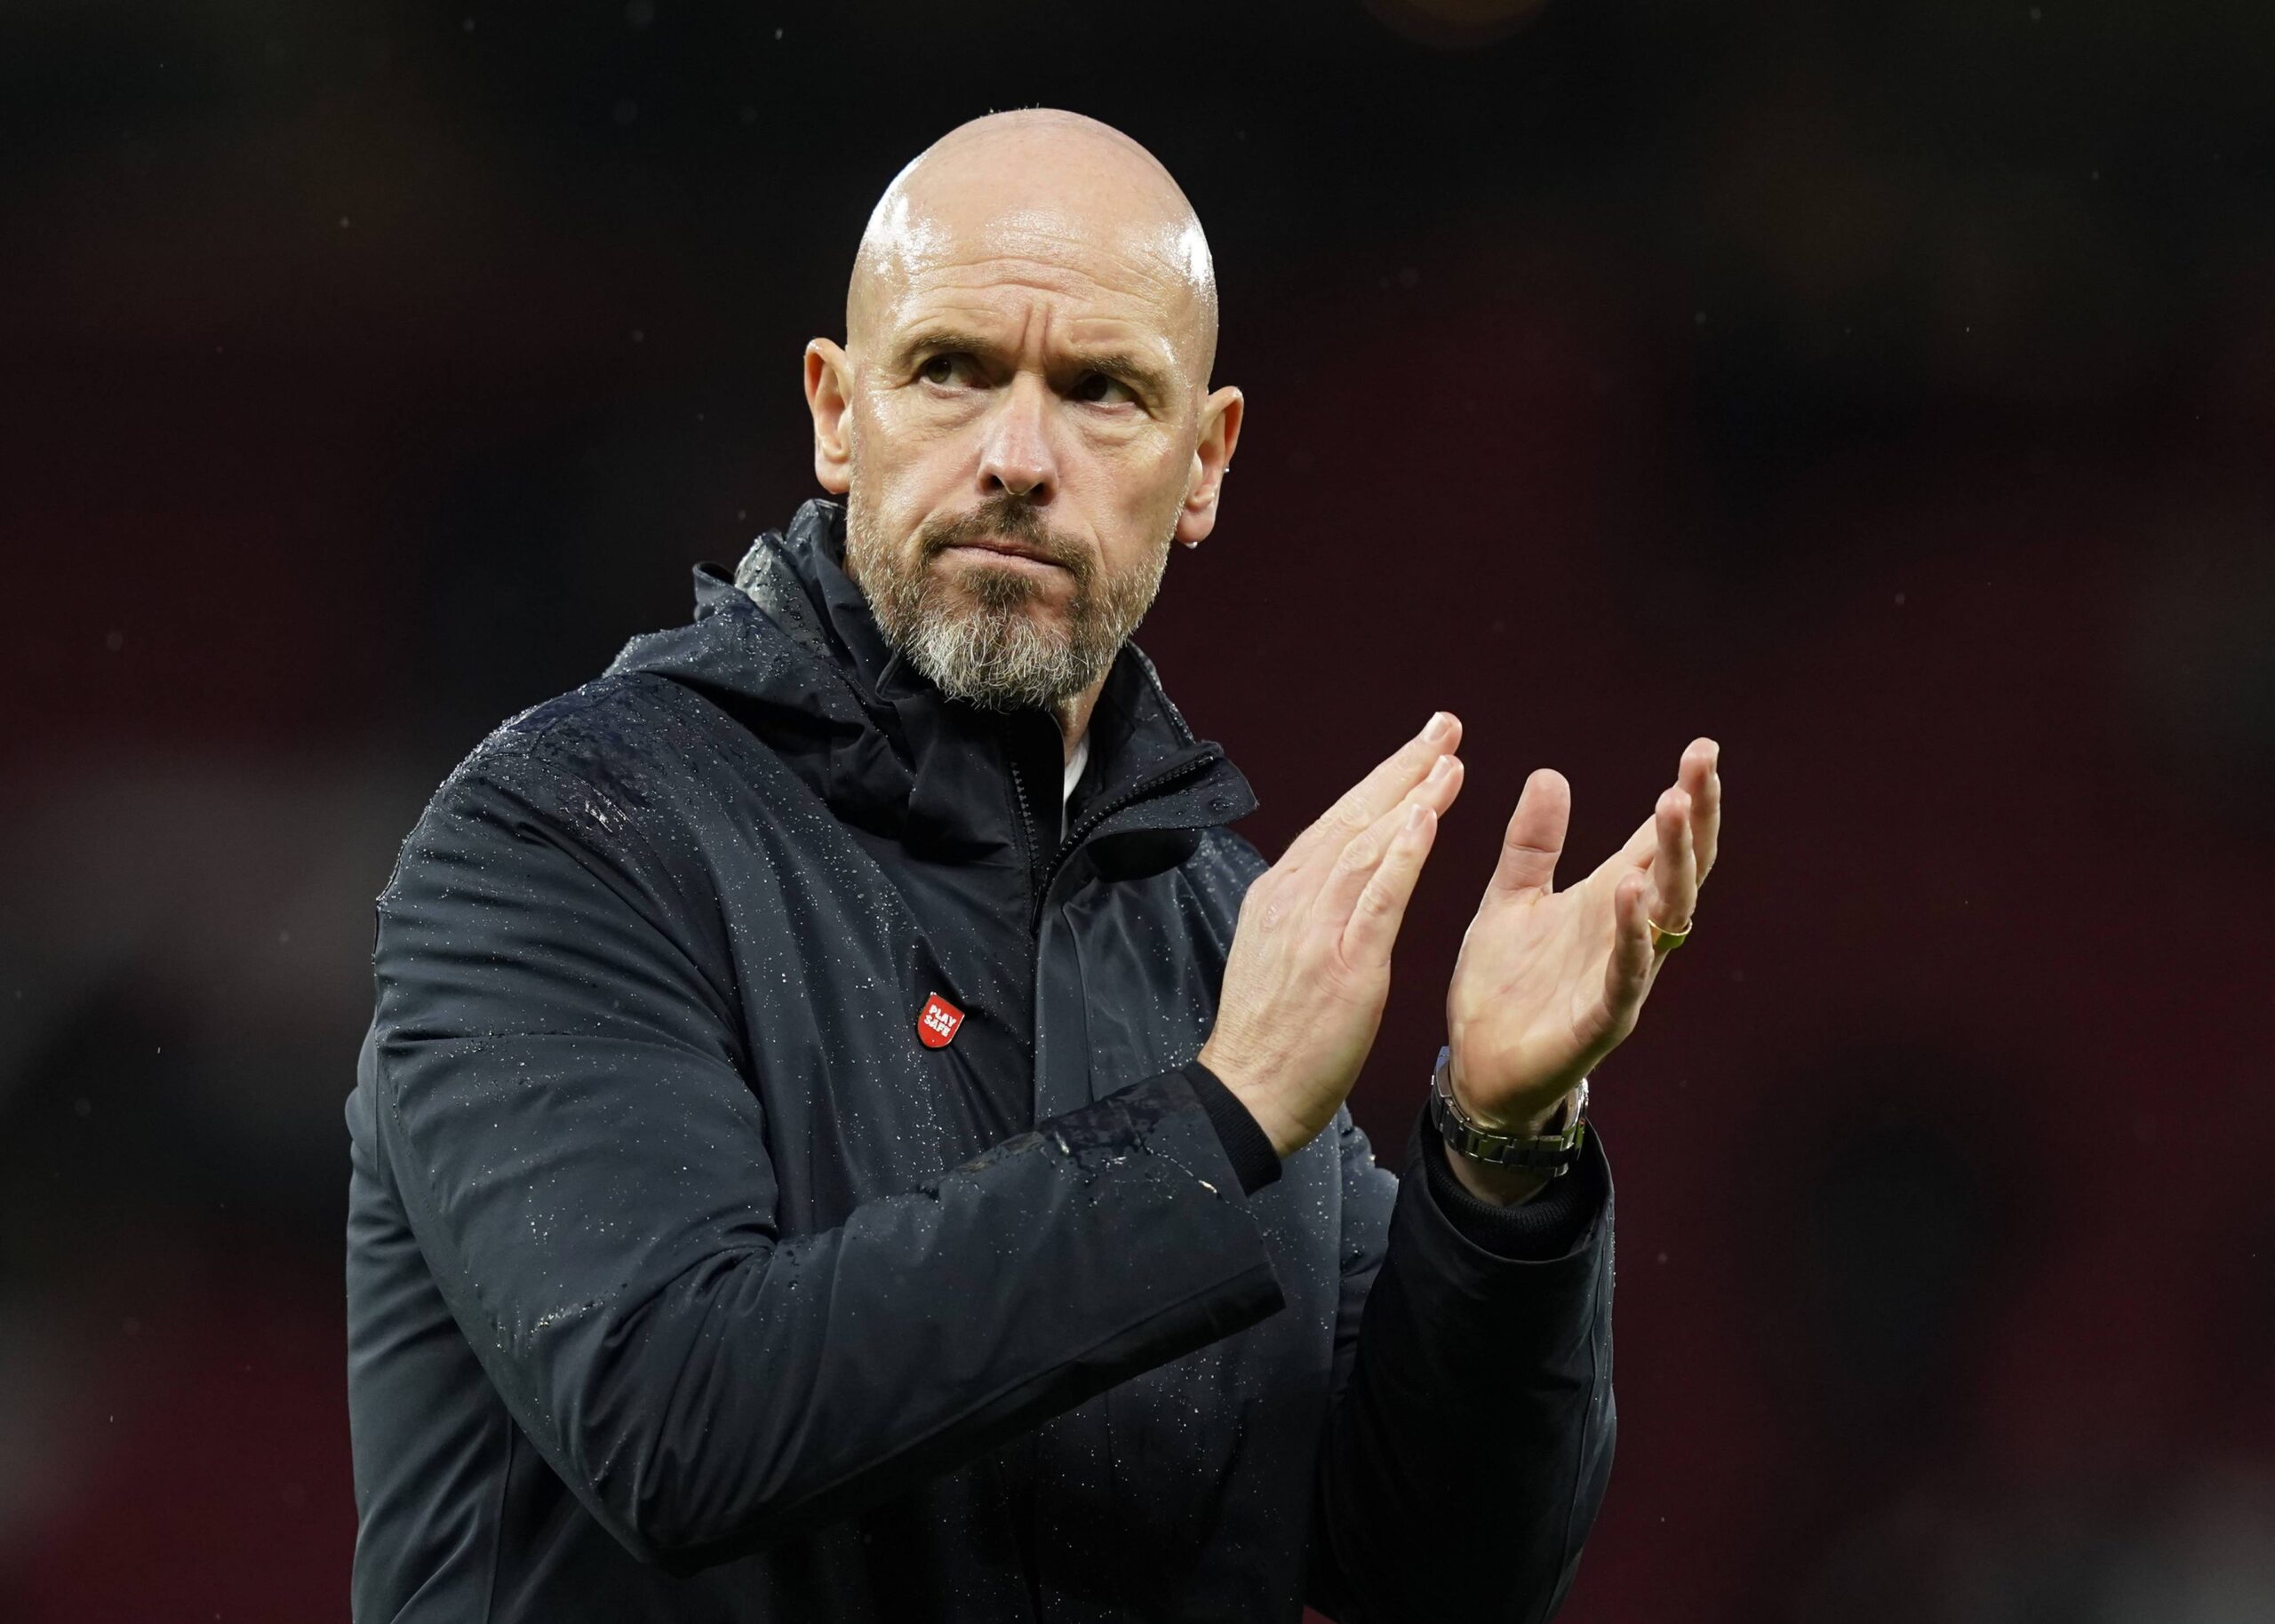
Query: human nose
[1017,455]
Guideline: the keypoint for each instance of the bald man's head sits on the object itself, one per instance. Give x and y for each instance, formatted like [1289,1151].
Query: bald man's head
[1020,415]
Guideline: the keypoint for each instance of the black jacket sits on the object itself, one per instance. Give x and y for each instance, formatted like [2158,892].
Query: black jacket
[684,1283]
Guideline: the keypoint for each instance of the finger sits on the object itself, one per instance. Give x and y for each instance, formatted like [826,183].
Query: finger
[1701,776]
[1696,771]
[1674,873]
[1381,908]
[1376,794]
[1355,867]
[1627,973]
[1535,838]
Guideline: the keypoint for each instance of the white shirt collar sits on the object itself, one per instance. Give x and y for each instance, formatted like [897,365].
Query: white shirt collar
[1067,786]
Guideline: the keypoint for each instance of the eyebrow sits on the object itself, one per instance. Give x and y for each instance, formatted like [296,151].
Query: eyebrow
[1123,365]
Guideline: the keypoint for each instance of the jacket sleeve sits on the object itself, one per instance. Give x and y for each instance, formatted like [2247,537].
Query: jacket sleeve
[558,1092]
[1470,1433]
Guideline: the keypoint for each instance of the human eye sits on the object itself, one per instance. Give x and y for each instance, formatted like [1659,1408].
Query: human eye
[1098,389]
[949,370]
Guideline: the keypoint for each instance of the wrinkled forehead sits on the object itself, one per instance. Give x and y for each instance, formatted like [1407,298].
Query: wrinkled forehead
[973,253]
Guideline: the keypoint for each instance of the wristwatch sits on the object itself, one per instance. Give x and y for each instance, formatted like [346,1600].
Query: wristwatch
[1552,1154]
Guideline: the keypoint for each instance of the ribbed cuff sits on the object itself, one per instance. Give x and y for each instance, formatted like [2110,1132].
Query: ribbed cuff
[1247,1146]
[1546,1227]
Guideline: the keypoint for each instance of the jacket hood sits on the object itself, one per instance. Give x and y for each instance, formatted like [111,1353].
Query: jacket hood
[787,645]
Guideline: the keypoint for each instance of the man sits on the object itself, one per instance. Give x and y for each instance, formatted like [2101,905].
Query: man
[848,1133]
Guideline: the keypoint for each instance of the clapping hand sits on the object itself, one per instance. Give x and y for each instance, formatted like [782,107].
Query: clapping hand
[1550,982]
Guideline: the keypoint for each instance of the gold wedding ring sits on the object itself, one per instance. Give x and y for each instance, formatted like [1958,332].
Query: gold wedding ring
[1669,940]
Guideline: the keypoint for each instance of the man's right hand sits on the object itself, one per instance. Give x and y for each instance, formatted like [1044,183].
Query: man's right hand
[1310,963]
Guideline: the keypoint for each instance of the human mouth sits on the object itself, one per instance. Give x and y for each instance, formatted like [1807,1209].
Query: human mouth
[1012,554]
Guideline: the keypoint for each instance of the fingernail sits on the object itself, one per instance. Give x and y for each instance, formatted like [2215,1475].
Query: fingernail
[1415,815]
[1443,770]
[1440,726]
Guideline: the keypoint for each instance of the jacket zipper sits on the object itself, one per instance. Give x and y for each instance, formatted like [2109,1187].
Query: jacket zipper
[1097,815]
[1026,828]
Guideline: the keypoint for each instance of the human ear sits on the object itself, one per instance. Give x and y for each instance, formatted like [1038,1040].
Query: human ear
[1212,460]
[828,391]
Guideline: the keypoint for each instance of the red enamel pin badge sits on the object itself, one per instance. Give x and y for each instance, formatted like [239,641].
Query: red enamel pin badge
[939,1023]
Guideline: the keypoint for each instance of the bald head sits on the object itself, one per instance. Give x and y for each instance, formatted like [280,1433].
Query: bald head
[1055,189]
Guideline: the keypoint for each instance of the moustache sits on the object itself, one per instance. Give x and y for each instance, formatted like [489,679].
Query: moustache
[1007,520]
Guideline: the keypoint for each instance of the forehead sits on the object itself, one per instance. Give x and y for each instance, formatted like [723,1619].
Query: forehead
[1052,275]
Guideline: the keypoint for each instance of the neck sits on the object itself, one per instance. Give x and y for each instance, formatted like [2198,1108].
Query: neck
[1073,715]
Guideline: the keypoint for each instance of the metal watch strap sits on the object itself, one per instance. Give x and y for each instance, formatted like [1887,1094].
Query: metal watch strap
[1552,1154]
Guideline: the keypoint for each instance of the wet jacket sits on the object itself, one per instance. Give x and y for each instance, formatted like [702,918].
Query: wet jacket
[688,1281]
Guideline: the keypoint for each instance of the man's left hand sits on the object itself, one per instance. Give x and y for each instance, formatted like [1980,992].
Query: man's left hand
[1550,982]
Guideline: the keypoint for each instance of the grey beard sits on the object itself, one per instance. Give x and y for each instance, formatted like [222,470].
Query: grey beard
[980,642]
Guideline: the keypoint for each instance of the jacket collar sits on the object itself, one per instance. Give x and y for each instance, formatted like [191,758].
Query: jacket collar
[787,643]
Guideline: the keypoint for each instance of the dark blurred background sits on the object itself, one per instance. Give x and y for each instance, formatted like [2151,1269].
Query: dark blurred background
[1886,389]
